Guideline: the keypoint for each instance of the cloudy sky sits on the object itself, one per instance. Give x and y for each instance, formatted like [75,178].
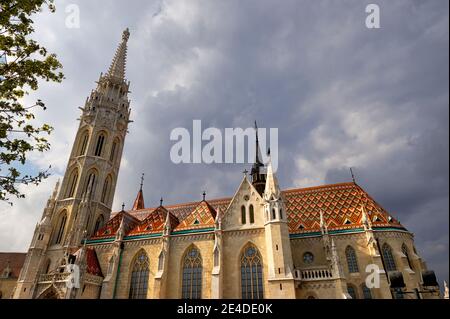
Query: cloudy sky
[341,95]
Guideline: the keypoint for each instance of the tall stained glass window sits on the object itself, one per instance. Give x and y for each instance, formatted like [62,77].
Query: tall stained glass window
[388,258]
[139,276]
[251,274]
[405,252]
[352,262]
[192,275]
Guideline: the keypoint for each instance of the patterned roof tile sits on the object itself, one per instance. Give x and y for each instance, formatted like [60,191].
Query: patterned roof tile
[339,203]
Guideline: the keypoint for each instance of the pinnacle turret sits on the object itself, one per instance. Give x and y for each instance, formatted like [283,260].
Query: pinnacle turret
[118,64]
[258,177]
[272,189]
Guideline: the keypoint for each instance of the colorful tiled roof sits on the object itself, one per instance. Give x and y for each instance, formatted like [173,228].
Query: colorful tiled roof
[341,205]
[154,222]
[111,227]
[13,261]
[92,264]
[202,216]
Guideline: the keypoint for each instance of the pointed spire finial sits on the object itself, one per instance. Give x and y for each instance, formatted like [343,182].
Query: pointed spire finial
[365,218]
[204,195]
[353,176]
[142,180]
[139,201]
[123,206]
[245,172]
[126,35]
[117,68]
[323,224]
[161,201]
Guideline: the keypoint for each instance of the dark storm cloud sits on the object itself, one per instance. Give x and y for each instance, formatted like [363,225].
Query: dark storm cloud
[340,94]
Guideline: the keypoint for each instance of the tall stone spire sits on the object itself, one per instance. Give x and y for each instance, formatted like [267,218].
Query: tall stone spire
[258,177]
[87,189]
[117,68]
[272,189]
[139,201]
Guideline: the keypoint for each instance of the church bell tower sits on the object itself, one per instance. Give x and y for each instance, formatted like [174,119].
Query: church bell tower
[82,203]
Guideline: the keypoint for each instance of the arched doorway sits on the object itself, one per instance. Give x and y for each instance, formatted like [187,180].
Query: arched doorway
[49,293]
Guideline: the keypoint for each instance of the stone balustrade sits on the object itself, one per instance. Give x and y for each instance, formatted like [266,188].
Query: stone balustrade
[58,277]
[313,274]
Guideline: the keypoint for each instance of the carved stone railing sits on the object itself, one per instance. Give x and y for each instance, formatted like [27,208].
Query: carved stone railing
[92,279]
[58,277]
[313,274]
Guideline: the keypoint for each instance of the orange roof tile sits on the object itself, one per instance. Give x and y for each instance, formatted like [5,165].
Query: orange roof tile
[154,222]
[92,264]
[111,227]
[341,206]
[202,216]
[340,203]
[14,261]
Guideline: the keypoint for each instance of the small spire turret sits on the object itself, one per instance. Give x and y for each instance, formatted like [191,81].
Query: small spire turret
[258,177]
[118,64]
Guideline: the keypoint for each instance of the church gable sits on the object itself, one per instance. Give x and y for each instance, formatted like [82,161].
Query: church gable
[154,222]
[203,216]
[111,227]
[245,208]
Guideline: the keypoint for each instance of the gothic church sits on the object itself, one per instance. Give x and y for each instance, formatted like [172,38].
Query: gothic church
[263,242]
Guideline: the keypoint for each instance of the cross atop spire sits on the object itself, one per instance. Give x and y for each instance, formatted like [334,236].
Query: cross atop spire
[117,68]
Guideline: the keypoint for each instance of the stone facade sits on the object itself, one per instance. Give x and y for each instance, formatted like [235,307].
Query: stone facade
[262,243]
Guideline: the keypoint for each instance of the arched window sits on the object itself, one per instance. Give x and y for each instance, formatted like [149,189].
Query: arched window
[98,223]
[87,222]
[281,213]
[73,179]
[139,276]
[252,214]
[405,252]
[61,227]
[274,216]
[46,267]
[216,257]
[366,292]
[114,149]
[352,262]
[243,215]
[161,261]
[90,182]
[251,274]
[105,191]
[192,275]
[351,291]
[99,146]
[111,264]
[388,258]
[83,144]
